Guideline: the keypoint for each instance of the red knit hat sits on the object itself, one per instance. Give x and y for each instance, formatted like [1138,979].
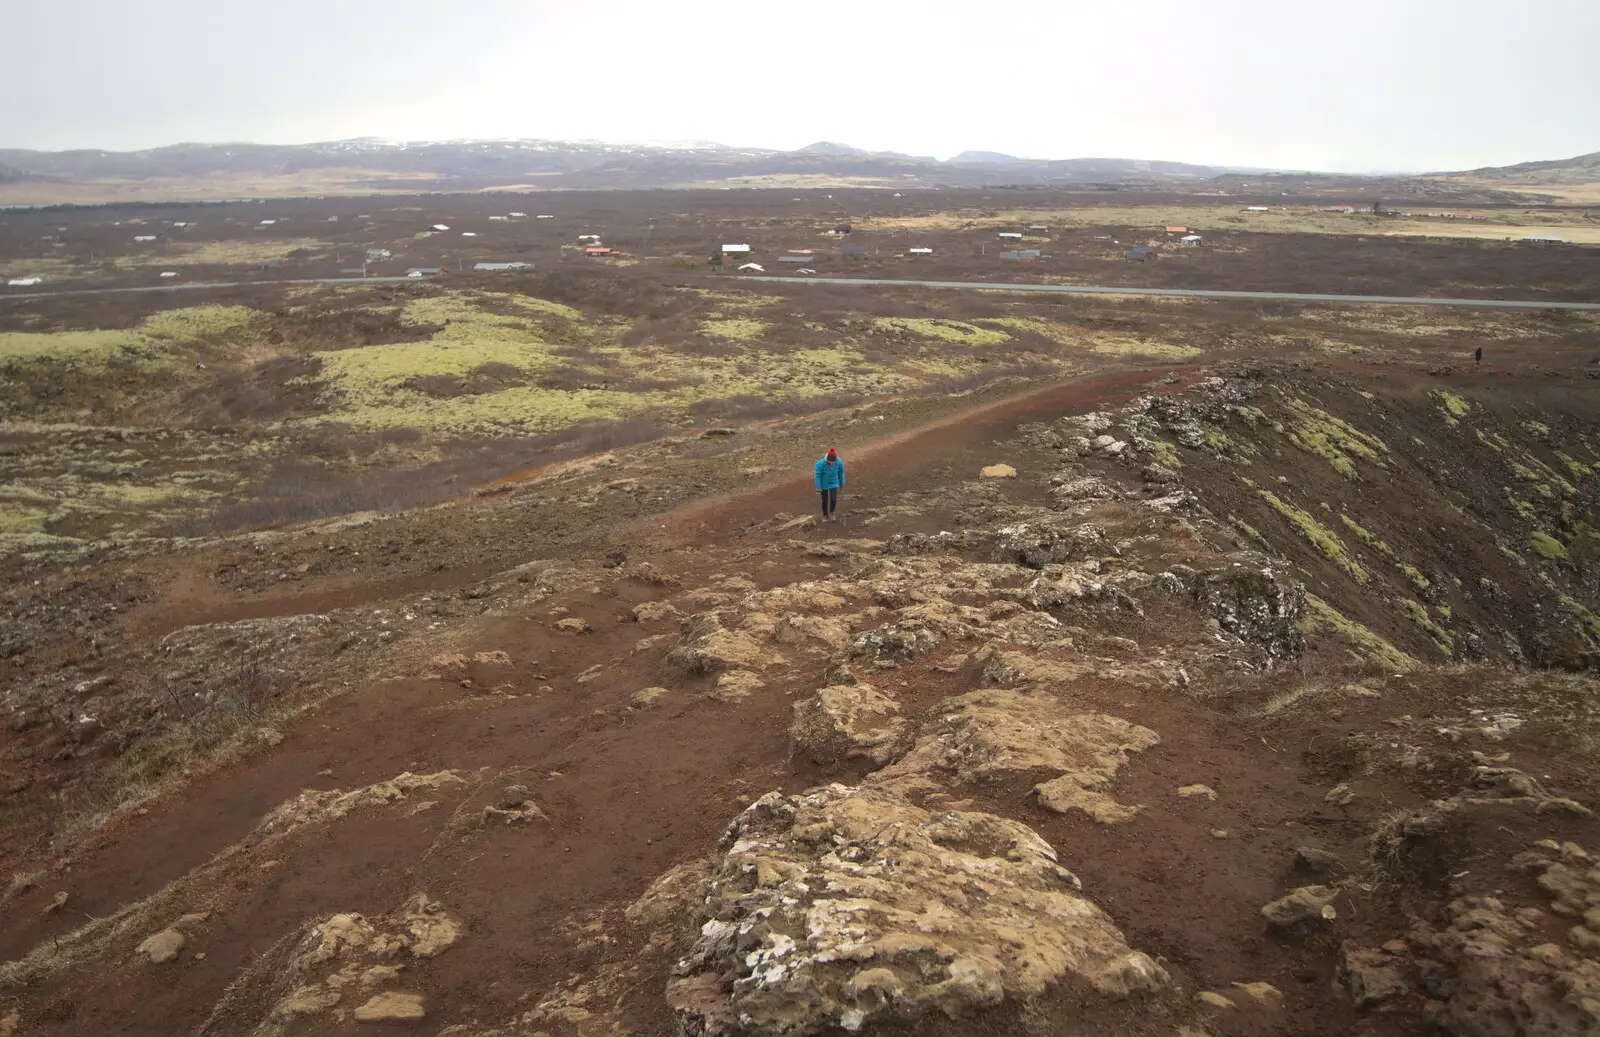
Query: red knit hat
[833,454]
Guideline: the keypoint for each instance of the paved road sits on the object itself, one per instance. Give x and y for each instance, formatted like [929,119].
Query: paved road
[1198,293]
[986,286]
[209,284]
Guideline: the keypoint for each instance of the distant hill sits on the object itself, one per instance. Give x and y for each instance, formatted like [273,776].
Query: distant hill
[476,164]
[1581,169]
[363,165]
[983,158]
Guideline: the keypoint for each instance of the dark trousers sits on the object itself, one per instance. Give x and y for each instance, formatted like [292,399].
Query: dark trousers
[830,501]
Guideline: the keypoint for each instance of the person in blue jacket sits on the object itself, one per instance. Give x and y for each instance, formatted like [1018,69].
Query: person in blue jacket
[829,480]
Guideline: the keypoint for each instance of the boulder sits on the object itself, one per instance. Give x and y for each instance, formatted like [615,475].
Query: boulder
[654,611]
[647,697]
[162,947]
[573,625]
[1306,907]
[712,648]
[846,906]
[998,471]
[1373,977]
[996,734]
[844,722]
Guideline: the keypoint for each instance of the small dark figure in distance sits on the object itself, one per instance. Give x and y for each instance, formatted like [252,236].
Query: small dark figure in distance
[829,480]
[1477,355]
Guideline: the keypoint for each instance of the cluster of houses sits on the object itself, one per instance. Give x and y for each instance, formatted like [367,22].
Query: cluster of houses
[1175,234]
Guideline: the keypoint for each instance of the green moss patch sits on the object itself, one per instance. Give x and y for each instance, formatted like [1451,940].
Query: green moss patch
[1455,407]
[1319,536]
[1418,614]
[1322,618]
[1331,438]
[738,329]
[1366,536]
[1546,546]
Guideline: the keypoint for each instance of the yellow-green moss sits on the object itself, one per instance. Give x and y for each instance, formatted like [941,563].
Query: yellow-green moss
[1578,469]
[1252,533]
[1331,438]
[739,329]
[1585,617]
[1537,429]
[1412,573]
[943,330]
[1320,537]
[18,520]
[1494,440]
[152,343]
[1166,454]
[1546,546]
[1418,614]
[1523,509]
[201,323]
[1455,406]
[1366,536]
[1322,618]
[1523,472]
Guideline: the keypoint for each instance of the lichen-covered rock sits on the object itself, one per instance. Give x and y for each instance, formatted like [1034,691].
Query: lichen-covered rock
[843,722]
[994,734]
[1042,543]
[1258,603]
[1493,974]
[844,906]
[712,648]
[392,1007]
[162,947]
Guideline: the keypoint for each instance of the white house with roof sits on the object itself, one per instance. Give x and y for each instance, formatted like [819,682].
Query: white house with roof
[733,249]
[920,251]
[757,267]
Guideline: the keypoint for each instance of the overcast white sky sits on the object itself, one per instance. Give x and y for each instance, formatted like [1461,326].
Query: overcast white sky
[1359,85]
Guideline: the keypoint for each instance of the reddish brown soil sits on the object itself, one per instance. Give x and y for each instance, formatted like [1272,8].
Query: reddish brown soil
[630,793]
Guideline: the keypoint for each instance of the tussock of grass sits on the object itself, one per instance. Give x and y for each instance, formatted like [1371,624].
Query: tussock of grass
[1320,537]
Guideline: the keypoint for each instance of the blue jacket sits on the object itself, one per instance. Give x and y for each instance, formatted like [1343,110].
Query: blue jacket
[829,476]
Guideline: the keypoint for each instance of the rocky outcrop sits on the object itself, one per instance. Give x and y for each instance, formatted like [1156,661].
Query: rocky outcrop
[844,722]
[341,968]
[844,906]
[1042,543]
[712,648]
[1257,603]
[996,734]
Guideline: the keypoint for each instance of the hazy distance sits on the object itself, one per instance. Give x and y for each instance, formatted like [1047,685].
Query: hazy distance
[1369,85]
